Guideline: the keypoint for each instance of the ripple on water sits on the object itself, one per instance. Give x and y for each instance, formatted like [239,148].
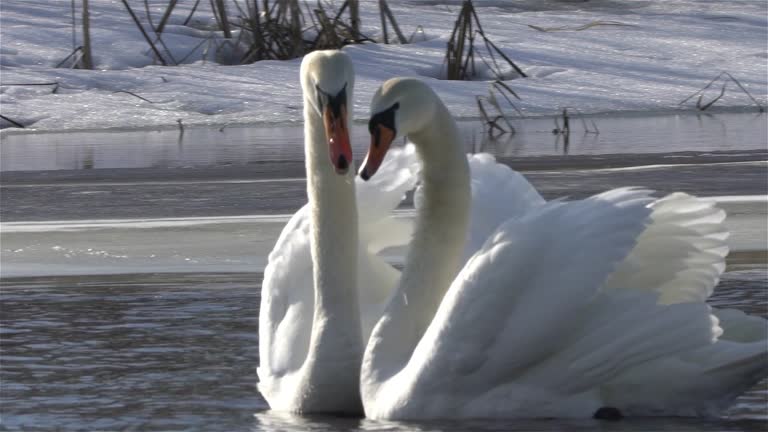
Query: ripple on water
[179,352]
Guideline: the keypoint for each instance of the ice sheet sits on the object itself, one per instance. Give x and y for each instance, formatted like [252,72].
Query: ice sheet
[226,244]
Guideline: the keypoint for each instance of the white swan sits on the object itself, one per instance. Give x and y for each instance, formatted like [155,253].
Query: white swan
[563,308]
[312,322]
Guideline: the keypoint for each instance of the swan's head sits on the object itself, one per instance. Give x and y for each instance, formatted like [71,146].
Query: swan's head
[400,107]
[327,79]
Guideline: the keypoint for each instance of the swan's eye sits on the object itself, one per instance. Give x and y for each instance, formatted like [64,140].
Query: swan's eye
[334,102]
[322,98]
[385,118]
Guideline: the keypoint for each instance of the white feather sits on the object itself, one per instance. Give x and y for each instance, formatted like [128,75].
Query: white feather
[562,307]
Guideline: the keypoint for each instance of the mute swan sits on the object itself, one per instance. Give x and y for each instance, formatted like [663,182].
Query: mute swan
[564,308]
[312,322]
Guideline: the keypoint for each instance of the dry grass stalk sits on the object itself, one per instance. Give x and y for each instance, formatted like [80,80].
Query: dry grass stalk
[727,78]
[460,52]
[269,30]
[581,27]
[492,123]
[192,12]
[220,15]
[75,55]
[166,15]
[386,14]
[11,121]
[384,32]
[87,59]
[74,24]
[55,85]
[133,94]
[144,33]
[566,129]
[354,17]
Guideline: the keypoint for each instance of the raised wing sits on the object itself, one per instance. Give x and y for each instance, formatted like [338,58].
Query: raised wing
[682,253]
[527,312]
[498,194]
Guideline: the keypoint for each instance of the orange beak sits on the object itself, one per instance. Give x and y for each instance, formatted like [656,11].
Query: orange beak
[338,137]
[381,139]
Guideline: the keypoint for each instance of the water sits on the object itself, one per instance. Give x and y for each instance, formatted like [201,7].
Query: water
[131,261]
[624,133]
[179,352]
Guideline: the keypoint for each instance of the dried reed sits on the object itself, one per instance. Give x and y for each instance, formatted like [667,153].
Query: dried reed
[726,77]
[460,51]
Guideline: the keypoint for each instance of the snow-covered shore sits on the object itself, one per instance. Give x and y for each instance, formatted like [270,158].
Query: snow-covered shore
[659,53]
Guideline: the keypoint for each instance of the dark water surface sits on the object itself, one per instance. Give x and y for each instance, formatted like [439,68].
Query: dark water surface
[280,187]
[179,352]
[160,351]
[620,133]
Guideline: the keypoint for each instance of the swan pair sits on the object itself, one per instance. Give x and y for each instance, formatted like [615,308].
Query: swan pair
[508,305]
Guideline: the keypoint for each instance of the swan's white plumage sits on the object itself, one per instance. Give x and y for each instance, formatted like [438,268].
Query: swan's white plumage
[525,319]
[490,181]
[685,245]
[571,306]
[563,307]
[287,294]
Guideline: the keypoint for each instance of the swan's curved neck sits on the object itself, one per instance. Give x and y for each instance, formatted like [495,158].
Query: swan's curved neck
[336,341]
[434,256]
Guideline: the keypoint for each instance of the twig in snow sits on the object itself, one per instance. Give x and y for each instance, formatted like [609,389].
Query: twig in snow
[74,52]
[54,84]
[133,94]
[15,123]
[581,27]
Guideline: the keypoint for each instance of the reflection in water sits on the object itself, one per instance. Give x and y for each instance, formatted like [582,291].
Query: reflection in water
[179,352]
[173,148]
[273,421]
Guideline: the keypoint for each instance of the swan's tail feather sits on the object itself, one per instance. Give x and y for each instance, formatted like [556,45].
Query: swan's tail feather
[700,382]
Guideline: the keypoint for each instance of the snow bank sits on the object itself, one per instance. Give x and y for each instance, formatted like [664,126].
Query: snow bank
[661,52]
